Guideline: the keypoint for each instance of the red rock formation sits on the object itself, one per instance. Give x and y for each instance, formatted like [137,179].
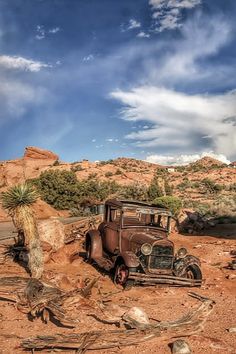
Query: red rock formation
[35,153]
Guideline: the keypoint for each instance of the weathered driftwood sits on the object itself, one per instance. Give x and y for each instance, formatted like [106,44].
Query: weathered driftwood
[187,325]
[35,297]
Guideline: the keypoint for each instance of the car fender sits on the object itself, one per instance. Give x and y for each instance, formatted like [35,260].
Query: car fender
[180,264]
[94,237]
[129,258]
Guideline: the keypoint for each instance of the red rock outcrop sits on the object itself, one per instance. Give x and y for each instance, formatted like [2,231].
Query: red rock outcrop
[36,153]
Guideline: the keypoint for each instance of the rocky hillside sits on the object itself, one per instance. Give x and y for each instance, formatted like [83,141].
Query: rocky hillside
[205,180]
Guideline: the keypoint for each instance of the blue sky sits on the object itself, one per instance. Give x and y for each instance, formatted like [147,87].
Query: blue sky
[98,79]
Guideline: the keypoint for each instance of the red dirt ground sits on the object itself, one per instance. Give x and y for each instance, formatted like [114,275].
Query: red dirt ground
[162,303]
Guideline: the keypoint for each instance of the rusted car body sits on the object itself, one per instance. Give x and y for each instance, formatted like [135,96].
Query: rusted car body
[132,241]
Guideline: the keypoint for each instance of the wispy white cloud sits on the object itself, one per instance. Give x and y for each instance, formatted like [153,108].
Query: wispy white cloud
[20,63]
[143,35]
[41,32]
[177,160]
[112,140]
[16,98]
[133,24]
[180,120]
[168,13]
[54,30]
[88,57]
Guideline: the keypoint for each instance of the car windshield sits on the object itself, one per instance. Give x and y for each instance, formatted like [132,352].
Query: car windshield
[145,216]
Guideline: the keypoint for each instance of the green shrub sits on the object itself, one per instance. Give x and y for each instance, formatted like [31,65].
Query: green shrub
[118,172]
[211,186]
[58,188]
[135,191]
[56,163]
[76,168]
[108,174]
[154,190]
[174,204]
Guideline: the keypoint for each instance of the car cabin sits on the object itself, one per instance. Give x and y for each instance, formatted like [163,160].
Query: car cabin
[127,214]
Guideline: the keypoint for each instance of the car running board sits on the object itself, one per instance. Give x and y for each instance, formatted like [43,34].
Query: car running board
[164,279]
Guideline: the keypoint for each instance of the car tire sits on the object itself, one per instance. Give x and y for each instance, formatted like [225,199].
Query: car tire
[193,272]
[121,276]
[88,249]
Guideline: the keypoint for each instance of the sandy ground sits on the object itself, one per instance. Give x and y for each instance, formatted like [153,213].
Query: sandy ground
[162,303]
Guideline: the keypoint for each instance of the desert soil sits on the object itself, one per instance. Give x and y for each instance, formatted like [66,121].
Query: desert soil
[161,303]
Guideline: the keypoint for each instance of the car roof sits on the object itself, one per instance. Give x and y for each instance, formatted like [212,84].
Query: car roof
[119,203]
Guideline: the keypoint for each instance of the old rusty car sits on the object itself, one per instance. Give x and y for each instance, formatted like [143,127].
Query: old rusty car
[132,241]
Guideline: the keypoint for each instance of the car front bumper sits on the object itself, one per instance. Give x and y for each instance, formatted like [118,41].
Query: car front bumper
[164,279]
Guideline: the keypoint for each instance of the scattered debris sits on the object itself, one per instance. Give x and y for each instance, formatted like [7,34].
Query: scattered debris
[37,298]
[189,324]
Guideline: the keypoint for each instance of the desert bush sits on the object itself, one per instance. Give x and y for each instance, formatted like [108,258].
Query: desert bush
[56,163]
[211,186]
[76,168]
[118,172]
[168,188]
[108,174]
[58,188]
[136,191]
[174,204]
[154,190]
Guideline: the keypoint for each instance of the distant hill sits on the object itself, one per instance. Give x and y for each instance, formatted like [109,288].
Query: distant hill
[189,182]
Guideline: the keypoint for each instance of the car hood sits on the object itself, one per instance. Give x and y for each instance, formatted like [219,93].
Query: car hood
[147,235]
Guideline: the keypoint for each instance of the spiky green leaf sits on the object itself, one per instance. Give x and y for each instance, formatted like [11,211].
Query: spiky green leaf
[19,195]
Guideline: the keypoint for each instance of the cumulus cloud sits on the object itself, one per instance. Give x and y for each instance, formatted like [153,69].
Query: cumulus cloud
[167,14]
[177,160]
[180,120]
[20,63]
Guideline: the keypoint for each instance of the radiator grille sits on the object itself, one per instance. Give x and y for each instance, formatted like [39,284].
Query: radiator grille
[161,257]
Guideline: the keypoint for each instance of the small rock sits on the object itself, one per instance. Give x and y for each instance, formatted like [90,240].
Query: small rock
[136,317]
[232,330]
[180,347]
[198,246]
[231,276]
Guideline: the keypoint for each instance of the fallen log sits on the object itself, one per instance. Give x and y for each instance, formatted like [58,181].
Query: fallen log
[187,325]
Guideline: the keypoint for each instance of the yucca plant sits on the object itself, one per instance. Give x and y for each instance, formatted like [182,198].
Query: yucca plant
[18,202]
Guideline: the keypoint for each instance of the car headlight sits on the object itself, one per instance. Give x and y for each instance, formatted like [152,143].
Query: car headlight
[182,252]
[146,249]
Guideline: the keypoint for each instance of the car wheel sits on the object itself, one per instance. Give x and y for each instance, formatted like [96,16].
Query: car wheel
[193,272]
[88,251]
[121,276]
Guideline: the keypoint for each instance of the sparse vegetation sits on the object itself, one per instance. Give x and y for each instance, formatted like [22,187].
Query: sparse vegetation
[211,186]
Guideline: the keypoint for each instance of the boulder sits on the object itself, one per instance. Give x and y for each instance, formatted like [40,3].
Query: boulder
[52,232]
